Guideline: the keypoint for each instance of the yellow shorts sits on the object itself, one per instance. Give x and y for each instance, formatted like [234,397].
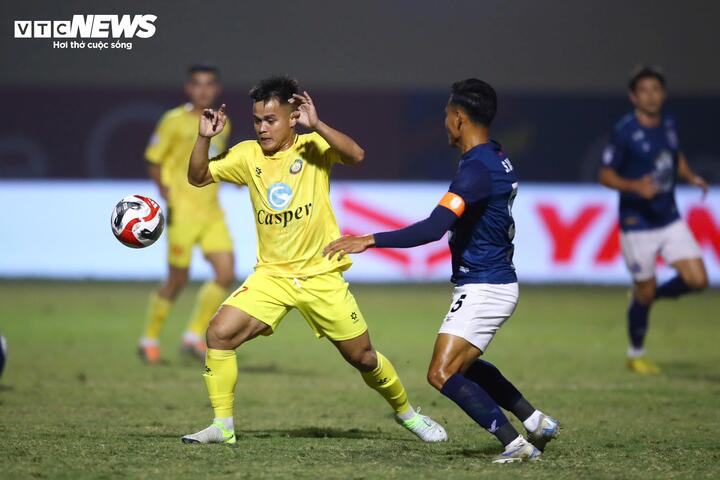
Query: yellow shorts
[324,301]
[212,236]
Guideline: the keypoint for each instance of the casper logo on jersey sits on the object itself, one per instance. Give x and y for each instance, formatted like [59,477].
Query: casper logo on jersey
[93,28]
[284,218]
[279,195]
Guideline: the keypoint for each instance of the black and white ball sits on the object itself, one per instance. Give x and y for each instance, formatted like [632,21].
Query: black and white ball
[3,353]
[137,221]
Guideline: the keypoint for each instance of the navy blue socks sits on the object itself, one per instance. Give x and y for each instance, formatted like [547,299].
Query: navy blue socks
[476,402]
[673,288]
[499,388]
[637,323]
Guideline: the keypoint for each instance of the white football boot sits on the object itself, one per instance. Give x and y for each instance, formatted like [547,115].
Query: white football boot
[548,429]
[520,450]
[215,433]
[426,429]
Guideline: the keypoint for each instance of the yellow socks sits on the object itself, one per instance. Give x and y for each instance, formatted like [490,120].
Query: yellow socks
[158,310]
[384,380]
[220,377]
[209,298]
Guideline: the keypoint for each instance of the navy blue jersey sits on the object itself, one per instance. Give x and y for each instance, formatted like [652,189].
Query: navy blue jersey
[481,239]
[635,151]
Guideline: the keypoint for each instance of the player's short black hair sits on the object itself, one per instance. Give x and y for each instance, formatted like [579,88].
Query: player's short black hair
[645,71]
[281,87]
[203,67]
[477,98]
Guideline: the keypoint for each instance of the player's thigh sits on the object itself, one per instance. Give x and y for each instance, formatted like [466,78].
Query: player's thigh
[681,250]
[181,239]
[265,298]
[215,237]
[231,327]
[640,250]
[330,308]
[478,310]
[451,354]
[222,264]
[693,273]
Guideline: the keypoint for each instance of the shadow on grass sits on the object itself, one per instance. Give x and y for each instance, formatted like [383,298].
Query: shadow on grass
[475,452]
[315,432]
[690,371]
[303,432]
[274,369]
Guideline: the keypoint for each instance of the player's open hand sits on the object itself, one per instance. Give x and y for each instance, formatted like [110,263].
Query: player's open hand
[647,187]
[306,113]
[348,244]
[212,121]
[700,182]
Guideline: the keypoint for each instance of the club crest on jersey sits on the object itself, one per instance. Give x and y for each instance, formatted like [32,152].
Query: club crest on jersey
[296,166]
[279,195]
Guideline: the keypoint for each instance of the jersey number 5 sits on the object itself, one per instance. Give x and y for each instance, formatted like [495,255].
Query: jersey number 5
[458,304]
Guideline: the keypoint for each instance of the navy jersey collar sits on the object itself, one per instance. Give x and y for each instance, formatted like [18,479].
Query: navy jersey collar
[492,144]
[637,123]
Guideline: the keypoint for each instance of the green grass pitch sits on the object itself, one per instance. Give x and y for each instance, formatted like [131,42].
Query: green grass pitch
[75,402]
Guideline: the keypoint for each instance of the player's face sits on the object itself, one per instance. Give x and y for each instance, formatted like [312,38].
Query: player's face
[452,124]
[203,89]
[648,96]
[274,124]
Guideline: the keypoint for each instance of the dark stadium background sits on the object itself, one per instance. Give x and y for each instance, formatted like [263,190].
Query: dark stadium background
[380,69]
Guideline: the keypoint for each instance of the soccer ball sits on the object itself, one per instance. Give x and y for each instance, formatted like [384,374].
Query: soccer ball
[3,353]
[137,221]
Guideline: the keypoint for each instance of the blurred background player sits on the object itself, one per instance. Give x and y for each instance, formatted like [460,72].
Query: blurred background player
[288,177]
[643,161]
[194,216]
[477,210]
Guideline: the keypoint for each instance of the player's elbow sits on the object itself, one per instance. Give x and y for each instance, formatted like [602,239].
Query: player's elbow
[192,181]
[359,155]
[196,180]
[356,157]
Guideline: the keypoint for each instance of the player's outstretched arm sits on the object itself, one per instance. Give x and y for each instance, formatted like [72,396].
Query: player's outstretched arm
[349,150]
[212,122]
[686,173]
[645,186]
[425,231]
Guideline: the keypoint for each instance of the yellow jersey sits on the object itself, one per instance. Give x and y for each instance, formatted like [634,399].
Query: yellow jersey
[170,147]
[290,195]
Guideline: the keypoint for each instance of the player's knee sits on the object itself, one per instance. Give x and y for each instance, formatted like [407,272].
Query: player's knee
[363,360]
[645,294]
[172,288]
[225,278]
[177,281]
[437,376]
[222,335]
[697,282]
